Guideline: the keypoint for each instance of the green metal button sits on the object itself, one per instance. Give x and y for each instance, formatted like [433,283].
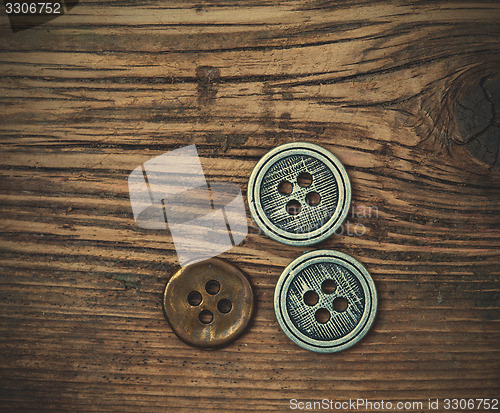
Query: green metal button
[299,193]
[325,301]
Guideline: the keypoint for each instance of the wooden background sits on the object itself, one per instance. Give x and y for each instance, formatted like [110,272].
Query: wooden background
[406,95]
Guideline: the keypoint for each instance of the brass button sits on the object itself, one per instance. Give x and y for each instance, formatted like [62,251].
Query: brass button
[209,303]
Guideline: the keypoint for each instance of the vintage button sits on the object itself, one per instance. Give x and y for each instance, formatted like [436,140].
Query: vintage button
[299,193]
[208,303]
[325,301]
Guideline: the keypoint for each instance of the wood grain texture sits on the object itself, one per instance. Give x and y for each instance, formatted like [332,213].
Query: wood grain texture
[405,94]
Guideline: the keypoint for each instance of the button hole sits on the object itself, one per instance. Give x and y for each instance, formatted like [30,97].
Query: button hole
[224,306]
[285,188]
[194,298]
[206,317]
[322,315]
[293,207]
[340,304]
[304,179]
[311,298]
[328,286]
[212,287]
[313,199]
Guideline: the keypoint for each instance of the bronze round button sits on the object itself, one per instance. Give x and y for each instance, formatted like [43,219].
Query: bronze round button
[209,303]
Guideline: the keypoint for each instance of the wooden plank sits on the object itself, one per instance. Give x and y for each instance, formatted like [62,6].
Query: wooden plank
[405,94]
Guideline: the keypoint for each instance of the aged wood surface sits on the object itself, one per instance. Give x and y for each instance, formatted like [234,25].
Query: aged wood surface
[406,95]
